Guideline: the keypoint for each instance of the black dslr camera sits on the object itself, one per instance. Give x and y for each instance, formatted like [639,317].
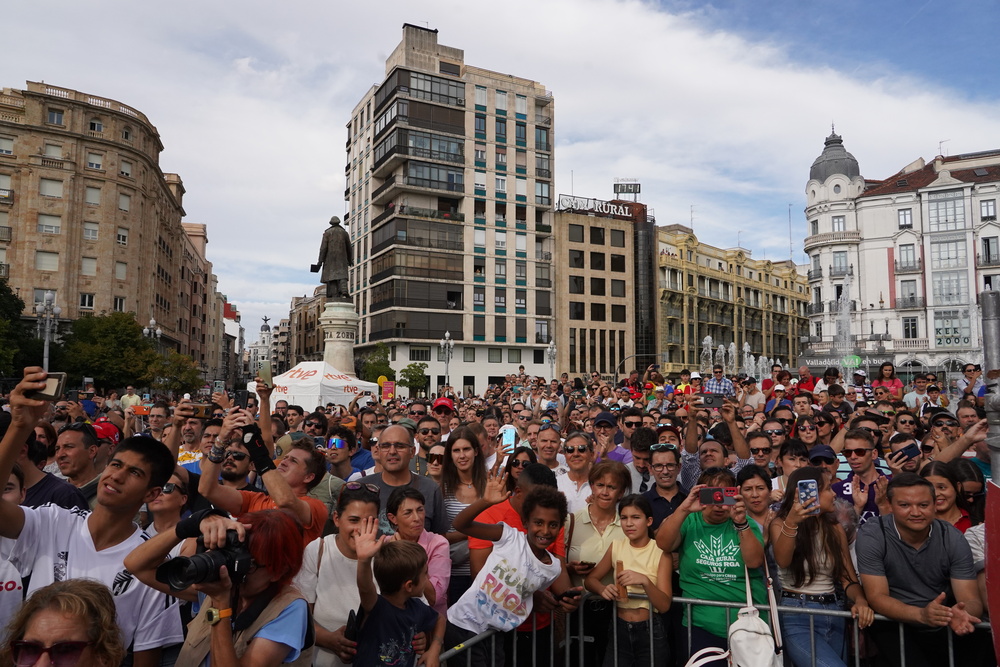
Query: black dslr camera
[204,566]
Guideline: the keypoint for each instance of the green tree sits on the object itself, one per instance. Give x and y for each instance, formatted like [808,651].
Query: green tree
[376,363]
[177,373]
[109,348]
[413,377]
[18,347]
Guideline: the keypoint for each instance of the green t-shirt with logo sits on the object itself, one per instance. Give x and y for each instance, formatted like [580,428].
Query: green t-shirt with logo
[711,568]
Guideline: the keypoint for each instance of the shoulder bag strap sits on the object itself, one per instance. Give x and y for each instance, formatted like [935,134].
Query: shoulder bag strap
[707,656]
[772,604]
[569,537]
[319,559]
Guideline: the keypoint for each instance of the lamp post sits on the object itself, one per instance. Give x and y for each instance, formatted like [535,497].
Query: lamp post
[48,314]
[447,346]
[551,354]
[153,332]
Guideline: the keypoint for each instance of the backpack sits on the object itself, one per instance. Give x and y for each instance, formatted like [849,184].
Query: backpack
[750,640]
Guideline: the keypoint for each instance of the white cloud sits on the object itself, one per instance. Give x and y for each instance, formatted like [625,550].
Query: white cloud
[251,100]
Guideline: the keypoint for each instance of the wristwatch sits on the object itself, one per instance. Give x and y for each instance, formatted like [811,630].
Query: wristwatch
[213,615]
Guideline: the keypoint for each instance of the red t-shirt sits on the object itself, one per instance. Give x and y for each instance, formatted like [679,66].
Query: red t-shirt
[254,501]
[507,514]
[808,384]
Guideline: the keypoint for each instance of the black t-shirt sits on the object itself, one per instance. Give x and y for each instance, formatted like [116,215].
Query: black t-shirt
[51,489]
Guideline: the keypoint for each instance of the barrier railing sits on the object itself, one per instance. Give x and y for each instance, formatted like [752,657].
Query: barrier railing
[574,648]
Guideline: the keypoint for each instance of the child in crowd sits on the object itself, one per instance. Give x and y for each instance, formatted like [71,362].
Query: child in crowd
[395,616]
[500,598]
[646,570]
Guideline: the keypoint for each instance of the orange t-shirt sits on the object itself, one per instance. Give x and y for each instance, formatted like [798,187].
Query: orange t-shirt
[254,501]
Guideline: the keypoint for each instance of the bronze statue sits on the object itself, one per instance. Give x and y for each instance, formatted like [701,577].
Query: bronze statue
[335,256]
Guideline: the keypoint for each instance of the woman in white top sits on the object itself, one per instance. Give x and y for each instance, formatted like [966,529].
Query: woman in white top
[463,479]
[811,550]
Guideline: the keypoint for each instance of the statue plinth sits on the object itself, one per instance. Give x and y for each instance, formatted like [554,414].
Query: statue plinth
[339,323]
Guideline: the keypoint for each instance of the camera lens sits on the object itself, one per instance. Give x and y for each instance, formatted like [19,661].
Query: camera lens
[181,572]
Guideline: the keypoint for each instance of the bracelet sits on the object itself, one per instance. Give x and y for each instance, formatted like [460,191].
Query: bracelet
[740,527]
[217,454]
[790,535]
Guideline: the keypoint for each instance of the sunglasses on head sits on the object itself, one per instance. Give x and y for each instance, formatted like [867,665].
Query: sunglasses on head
[82,427]
[61,654]
[550,425]
[662,447]
[354,486]
[435,458]
[425,431]
[859,451]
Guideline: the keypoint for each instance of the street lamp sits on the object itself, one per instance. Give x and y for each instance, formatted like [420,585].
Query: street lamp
[447,346]
[48,312]
[551,354]
[153,332]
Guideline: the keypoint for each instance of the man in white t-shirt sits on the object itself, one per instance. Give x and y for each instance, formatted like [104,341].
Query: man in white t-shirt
[56,544]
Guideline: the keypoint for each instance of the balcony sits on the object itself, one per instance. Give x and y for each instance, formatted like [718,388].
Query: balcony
[6,196]
[393,184]
[543,120]
[377,194]
[815,274]
[544,256]
[835,306]
[543,229]
[815,308]
[540,146]
[400,152]
[992,259]
[674,339]
[841,271]
[674,285]
[5,234]
[831,237]
[542,338]
[543,173]
[909,266]
[424,334]
[909,343]
[909,302]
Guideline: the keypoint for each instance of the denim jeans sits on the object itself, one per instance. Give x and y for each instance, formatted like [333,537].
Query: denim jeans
[635,646]
[827,632]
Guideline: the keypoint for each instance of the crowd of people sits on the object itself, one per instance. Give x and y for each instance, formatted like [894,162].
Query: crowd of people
[562,516]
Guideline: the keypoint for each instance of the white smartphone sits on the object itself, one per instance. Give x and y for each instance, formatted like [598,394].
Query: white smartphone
[265,373]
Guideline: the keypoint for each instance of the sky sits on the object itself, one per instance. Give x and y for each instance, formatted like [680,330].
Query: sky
[718,109]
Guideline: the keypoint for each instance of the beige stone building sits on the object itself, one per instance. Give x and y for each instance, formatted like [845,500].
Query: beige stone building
[87,213]
[305,340]
[725,294]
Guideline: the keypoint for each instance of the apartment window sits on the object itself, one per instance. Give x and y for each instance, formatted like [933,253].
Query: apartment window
[479,325]
[618,288]
[126,168]
[121,236]
[46,261]
[95,160]
[49,224]
[500,297]
[542,139]
[617,313]
[501,184]
[945,211]
[987,209]
[950,287]
[576,259]
[501,155]
[521,186]
[479,296]
[597,286]
[127,134]
[813,227]
[479,267]
[88,266]
[905,216]
[494,355]
[910,327]
[479,238]
[576,233]
[577,310]
[52,150]
[500,269]
[469,354]
[86,301]
[96,125]
[514,355]
[90,230]
[839,223]
[542,275]
[596,235]
[501,130]
[576,284]
[480,124]
[617,238]
[948,255]
[480,96]
[840,261]
[124,202]
[119,304]
[480,152]
[597,312]
[480,180]
[907,254]
[521,270]
[991,249]
[819,329]
[49,187]
[121,270]
[543,193]
[597,261]
[420,353]
[520,132]
[6,146]
[521,242]
[618,263]
[55,116]
[908,289]
[520,104]
[520,298]
[542,330]
[92,196]
[500,328]
[501,99]
[500,240]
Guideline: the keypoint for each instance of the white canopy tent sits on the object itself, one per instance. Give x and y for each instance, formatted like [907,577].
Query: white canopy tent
[314,383]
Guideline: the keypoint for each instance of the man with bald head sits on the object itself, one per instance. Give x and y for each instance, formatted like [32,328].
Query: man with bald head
[394,450]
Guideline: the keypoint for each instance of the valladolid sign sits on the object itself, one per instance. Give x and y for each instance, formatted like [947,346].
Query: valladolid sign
[571,203]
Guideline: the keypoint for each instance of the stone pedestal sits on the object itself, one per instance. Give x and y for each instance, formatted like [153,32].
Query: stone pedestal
[339,323]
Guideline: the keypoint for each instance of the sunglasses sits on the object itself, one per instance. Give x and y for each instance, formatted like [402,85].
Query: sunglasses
[906,422]
[441,410]
[860,451]
[394,445]
[425,431]
[785,421]
[237,456]
[946,422]
[170,487]
[435,458]
[633,424]
[82,427]
[973,495]
[313,425]
[579,449]
[756,451]
[662,447]
[871,430]
[807,428]
[418,413]
[822,459]
[550,425]
[519,463]
[336,443]
[354,486]
[888,413]
[774,431]
[927,449]
[61,654]
[523,419]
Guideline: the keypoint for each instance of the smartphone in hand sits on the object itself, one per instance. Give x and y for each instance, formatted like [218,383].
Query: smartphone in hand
[808,489]
[54,385]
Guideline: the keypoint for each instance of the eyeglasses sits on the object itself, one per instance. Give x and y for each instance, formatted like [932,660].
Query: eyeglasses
[945,422]
[579,449]
[633,424]
[394,445]
[888,413]
[757,451]
[336,443]
[170,487]
[442,410]
[807,428]
[435,458]
[660,467]
[313,425]
[354,486]
[425,431]
[860,451]
[774,431]
[61,654]
[519,463]
[662,447]
[237,456]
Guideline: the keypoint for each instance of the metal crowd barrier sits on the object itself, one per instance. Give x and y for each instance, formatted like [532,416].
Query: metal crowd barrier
[576,655]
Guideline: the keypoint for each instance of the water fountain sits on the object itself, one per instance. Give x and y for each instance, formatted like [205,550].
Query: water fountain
[720,357]
[731,367]
[747,368]
[763,368]
[706,356]
[843,342]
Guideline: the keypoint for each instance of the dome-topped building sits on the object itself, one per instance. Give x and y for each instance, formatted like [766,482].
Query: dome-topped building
[834,160]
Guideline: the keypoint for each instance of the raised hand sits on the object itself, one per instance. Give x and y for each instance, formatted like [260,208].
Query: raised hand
[738,511]
[367,543]
[496,489]
[26,411]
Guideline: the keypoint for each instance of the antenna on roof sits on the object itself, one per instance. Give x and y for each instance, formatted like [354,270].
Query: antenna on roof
[833,128]
[941,146]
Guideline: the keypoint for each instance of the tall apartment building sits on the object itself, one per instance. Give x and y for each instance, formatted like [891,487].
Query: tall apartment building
[449,190]
[912,251]
[86,213]
[725,294]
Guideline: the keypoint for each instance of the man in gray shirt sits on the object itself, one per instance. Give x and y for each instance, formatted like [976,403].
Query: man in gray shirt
[395,449]
[918,570]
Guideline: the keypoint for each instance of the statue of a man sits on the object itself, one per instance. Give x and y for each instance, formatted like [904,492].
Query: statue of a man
[335,256]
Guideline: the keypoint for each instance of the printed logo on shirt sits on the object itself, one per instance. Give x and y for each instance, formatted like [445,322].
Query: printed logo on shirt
[123,580]
[60,566]
[395,652]
[502,595]
[719,558]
